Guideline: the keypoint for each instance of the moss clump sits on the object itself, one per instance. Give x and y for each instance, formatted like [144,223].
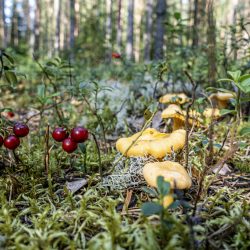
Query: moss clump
[242,164]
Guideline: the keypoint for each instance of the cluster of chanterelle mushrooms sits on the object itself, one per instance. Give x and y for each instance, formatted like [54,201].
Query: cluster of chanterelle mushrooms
[151,142]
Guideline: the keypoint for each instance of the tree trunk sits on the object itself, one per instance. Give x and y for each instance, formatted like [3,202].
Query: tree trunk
[181,33]
[189,28]
[72,28]
[195,42]
[160,30]
[119,27]
[211,41]
[14,25]
[139,9]
[234,40]
[108,30]
[130,31]
[66,26]
[58,9]
[26,11]
[148,30]
[37,27]
[51,25]
[77,17]
[3,28]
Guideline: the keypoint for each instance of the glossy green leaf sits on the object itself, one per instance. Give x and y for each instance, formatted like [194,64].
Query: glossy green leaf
[163,186]
[244,77]
[225,80]
[174,205]
[150,208]
[10,77]
[235,75]
[245,130]
[10,58]
[244,85]
[149,191]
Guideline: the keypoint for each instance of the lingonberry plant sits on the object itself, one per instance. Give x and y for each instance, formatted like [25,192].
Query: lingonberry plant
[70,142]
[12,141]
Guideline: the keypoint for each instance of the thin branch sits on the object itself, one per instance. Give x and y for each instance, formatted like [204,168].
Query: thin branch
[195,85]
[94,112]
[59,114]
[46,150]
[99,154]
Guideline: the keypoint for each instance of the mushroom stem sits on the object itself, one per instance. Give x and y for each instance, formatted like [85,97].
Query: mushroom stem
[222,104]
[177,124]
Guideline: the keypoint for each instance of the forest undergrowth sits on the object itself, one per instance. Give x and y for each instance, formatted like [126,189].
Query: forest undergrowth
[54,200]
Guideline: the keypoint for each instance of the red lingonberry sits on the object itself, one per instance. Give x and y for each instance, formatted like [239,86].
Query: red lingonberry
[59,134]
[1,140]
[11,142]
[69,145]
[21,129]
[79,134]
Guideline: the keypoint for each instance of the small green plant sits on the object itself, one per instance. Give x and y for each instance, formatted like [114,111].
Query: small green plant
[242,84]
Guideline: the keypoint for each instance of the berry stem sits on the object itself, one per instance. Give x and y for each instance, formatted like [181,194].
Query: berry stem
[84,153]
[16,157]
[99,154]
[46,150]
[85,162]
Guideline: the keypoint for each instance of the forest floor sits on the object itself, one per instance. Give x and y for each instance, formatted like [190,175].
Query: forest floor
[54,200]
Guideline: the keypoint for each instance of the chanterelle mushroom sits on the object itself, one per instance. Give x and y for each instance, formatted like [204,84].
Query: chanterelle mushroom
[178,116]
[221,99]
[177,98]
[152,142]
[172,172]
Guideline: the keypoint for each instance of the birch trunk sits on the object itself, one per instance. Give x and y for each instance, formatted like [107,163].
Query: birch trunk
[37,27]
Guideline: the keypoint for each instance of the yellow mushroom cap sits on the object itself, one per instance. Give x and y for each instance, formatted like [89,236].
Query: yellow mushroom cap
[162,146]
[179,98]
[152,142]
[171,171]
[174,111]
[171,111]
[221,98]
[211,112]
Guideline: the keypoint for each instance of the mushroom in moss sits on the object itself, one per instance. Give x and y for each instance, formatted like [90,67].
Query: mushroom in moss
[151,143]
[177,98]
[172,172]
[221,99]
[178,116]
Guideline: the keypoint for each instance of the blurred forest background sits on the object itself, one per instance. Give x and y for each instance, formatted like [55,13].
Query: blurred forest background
[139,30]
[104,64]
